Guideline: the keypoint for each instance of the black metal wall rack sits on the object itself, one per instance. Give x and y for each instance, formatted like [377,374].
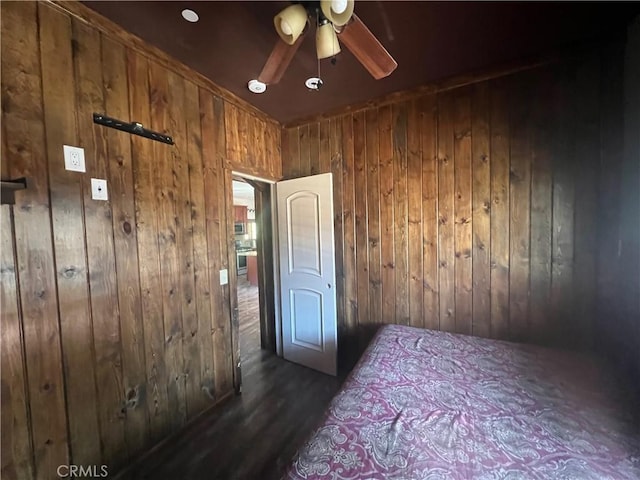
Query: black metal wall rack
[133,127]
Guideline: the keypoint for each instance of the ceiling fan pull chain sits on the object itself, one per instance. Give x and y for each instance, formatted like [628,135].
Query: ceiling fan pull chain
[335,40]
[318,26]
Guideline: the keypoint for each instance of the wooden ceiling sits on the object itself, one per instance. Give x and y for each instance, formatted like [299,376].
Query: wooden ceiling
[430,41]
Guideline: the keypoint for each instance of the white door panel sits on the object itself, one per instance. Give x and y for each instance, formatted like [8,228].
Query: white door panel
[307,271]
[303,238]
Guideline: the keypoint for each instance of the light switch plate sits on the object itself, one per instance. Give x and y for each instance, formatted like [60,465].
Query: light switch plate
[224,277]
[74,158]
[99,189]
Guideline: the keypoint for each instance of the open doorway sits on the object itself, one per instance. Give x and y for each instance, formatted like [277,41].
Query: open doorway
[307,221]
[252,280]
[246,241]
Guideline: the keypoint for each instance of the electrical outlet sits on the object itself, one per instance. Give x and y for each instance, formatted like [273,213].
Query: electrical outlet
[99,189]
[224,277]
[74,158]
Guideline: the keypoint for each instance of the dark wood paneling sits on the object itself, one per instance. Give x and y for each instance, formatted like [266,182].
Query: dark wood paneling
[373,217]
[519,205]
[133,418]
[85,441]
[541,211]
[117,326]
[400,227]
[428,144]
[472,207]
[562,291]
[291,152]
[385,166]
[481,209]
[272,145]
[618,266]
[154,393]
[629,256]
[213,145]
[325,150]
[303,140]
[222,337]
[314,149]
[348,225]
[610,166]
[25,155]
[252,143]
[414,214]
[233,139]
[446,213]
[586,174]
[190,368]
[500,224]
[169,236]
[203,345]
[336,171]
[70,255]
[462,208]
[360,211]
[17,460]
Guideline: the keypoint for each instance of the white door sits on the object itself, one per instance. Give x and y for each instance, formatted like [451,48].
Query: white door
[307,271]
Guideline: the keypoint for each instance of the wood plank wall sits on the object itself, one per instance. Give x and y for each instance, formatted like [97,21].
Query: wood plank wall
[619,212]
[259,157]
[115,330]
[469,210]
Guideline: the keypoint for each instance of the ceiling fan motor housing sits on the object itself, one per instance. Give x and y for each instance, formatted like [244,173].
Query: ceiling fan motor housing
[291,22]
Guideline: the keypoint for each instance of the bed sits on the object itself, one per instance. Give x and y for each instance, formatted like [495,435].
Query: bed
[423,404]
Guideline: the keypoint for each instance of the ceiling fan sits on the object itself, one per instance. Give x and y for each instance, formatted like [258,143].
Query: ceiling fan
[335,23]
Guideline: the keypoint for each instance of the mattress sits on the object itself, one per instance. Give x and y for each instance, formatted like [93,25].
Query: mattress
[424,404]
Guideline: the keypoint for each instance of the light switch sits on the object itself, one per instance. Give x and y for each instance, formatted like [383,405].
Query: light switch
[99,189]
[224,277]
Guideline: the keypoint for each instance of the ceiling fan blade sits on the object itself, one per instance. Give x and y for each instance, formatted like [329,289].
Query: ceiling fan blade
[278,61]
[367,49]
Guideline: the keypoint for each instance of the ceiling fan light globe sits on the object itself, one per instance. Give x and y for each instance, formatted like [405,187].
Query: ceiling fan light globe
[338,12]
[339,6]
[286,28]
[290,23]
[327,44]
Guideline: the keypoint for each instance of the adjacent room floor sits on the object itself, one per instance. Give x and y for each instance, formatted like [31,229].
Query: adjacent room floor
[249,313]
[253,435]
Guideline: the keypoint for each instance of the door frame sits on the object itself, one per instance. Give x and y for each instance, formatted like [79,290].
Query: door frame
[270,328]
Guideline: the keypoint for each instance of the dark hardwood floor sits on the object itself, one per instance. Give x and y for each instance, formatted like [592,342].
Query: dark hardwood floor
[253,435]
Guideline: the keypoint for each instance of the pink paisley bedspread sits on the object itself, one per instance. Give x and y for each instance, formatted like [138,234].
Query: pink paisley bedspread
[423,404]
